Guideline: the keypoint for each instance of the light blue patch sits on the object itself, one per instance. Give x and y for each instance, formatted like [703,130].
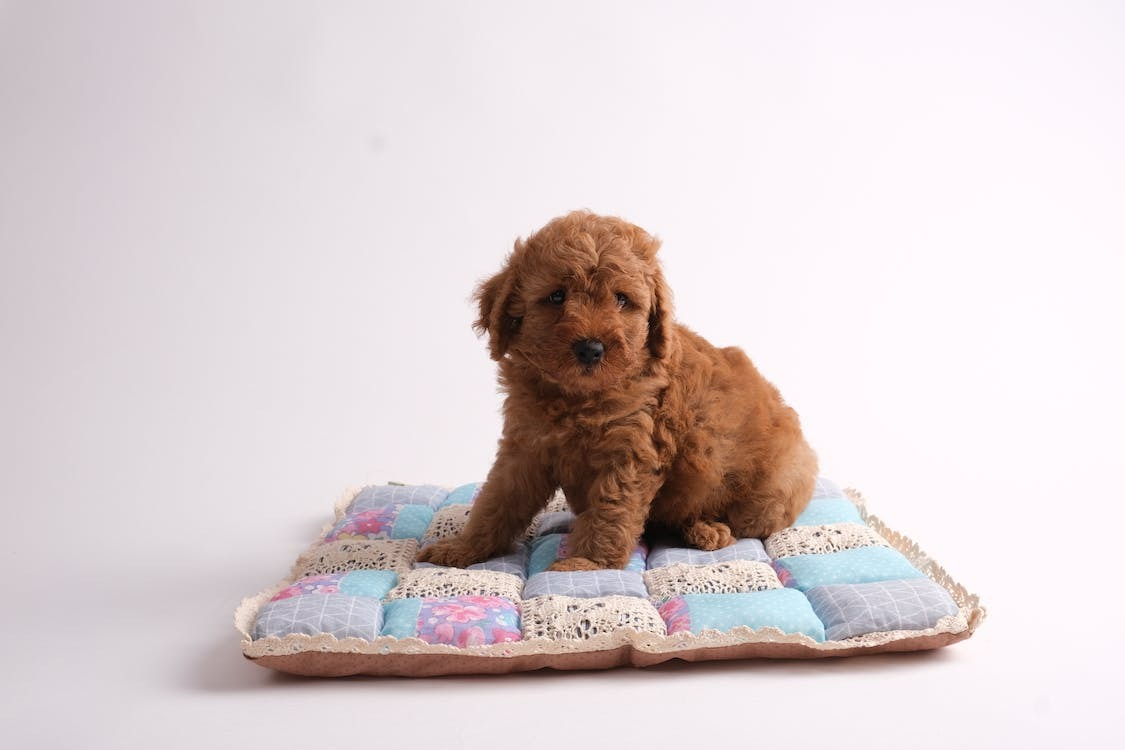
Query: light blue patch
[849,610]
[378,496]
[586,584]
[342,616]
[825,487]
[560,522]
[544,551]
[637,559]
[863,565]
[821,511]
[400,617]
[514,563]
[376,583]
[743,549]
[463,495]
[412,522]
[785,609]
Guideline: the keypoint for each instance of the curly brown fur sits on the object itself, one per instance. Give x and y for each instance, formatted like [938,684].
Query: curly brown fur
[658,427]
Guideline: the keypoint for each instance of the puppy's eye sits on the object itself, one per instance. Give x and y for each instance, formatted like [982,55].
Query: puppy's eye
[557,297]
[622,300]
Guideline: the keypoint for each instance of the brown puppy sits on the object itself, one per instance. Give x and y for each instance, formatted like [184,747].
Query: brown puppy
[635,417]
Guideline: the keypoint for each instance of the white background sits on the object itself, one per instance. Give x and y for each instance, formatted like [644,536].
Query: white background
[237,243]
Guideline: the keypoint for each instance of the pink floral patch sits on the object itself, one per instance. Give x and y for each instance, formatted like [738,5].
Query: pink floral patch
[676,615]
[368,524]
[456,612]
[783,575]
[325,584]
[469,620]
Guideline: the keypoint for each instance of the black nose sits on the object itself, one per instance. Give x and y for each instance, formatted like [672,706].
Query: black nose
[588,351]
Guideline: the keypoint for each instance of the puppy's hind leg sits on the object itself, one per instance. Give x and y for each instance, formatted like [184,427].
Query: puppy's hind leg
[708,535]
[774,501]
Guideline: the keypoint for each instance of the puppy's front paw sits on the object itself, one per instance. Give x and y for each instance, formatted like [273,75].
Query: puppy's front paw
[452,553]
[573,563]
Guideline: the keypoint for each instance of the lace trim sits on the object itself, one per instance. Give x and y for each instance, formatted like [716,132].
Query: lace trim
[731,577]
[970,609]
[556,504]
[818,540]
[443,582]
[644,641]
[969,617]
[345,555]
[569,618]
[447,522]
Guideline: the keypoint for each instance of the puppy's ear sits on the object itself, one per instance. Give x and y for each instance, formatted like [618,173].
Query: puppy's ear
[660,311]
[660,330]
[496,297]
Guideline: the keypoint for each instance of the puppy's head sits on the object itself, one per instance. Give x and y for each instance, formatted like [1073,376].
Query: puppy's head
[582,303]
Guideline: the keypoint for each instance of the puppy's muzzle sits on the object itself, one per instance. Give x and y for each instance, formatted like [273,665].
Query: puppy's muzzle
[588,351]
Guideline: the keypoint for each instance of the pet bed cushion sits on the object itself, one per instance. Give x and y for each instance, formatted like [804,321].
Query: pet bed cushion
[836,583]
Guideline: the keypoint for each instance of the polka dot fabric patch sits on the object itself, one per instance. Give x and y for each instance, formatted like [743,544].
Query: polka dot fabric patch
[838,582]
[784,609]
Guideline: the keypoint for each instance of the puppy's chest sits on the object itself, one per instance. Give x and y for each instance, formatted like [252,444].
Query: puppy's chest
[573,458]
[563,442]
[574,446]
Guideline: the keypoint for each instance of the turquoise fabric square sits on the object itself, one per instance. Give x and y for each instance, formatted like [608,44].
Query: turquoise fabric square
[863,565]
[376,583]
[826,510]
[544,551]
[463,495]
[412,522]
[785,609]
[400,617]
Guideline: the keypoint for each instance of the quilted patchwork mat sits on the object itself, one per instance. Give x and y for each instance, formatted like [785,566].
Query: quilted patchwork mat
[838,582]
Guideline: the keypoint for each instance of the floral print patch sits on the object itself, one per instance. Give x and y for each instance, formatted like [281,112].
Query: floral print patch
[367,524]
[385,522]
[468,620]
[676,615]
[326,584]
